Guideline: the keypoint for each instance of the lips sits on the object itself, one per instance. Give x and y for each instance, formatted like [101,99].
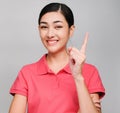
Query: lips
[52,42]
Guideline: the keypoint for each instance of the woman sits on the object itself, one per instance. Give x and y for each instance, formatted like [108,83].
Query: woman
[61,81]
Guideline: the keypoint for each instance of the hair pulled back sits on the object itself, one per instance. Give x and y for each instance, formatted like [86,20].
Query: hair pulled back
[55,7]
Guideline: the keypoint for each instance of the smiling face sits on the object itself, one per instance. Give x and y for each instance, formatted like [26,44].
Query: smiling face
[54,31]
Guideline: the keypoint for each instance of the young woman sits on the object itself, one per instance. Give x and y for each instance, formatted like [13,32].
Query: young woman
[61,81]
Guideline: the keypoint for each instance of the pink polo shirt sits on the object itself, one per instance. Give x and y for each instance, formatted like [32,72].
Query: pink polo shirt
[53,93]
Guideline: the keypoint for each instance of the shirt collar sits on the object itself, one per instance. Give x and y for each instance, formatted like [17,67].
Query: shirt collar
[43,69]
[67,69]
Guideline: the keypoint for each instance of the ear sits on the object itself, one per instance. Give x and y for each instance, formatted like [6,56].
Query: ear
[72,28]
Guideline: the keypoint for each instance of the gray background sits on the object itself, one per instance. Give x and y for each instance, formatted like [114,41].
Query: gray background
[20,43]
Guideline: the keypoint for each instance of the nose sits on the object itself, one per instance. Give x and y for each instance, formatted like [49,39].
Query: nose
[50,33]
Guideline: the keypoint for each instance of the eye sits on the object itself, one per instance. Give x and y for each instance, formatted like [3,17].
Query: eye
[43,27]
[58,27]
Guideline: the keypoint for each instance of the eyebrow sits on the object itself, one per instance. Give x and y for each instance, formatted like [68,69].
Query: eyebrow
[57,21]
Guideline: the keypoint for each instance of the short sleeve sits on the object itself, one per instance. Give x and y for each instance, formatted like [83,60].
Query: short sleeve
[20,85]
[95,83]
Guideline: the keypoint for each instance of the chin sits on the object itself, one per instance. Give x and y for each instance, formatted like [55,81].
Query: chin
[53,50]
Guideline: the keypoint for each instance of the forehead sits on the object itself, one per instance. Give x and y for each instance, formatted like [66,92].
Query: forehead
[53,16]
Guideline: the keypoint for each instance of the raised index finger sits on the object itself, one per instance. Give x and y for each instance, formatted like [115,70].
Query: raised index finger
[84,45]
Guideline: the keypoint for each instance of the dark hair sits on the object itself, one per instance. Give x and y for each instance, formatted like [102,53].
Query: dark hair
[54,7]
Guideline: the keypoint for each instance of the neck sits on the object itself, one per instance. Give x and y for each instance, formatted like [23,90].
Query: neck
[57,61]
[58,57]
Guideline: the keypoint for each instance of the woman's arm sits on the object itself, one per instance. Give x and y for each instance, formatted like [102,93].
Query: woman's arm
[96,101]
[77,58]
[19,104]
[89,103]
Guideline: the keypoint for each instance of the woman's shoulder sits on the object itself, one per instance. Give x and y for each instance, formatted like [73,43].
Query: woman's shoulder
[89,70]
[33,66]
[88,66]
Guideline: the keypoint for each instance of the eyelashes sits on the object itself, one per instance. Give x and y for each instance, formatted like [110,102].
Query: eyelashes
[46,27]
[58,27]
[43,27]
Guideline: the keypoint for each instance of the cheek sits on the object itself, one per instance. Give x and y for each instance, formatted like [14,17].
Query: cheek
[64,33]
[42,35]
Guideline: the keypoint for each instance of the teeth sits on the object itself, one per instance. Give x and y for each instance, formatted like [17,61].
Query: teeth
[52,41]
